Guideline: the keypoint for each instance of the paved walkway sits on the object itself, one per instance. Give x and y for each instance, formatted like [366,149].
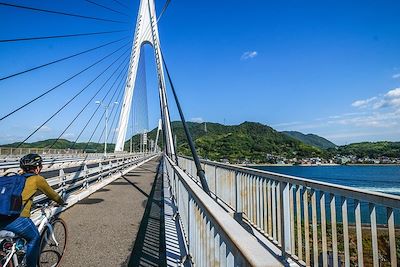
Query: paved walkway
[107,229]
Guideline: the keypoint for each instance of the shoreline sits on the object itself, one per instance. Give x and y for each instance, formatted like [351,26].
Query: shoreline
[312,165]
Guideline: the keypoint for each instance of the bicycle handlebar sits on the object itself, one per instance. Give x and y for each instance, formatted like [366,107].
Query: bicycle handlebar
[48,204]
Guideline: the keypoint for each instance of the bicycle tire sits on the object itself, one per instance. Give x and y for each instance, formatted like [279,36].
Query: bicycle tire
[49,258]
[47,244]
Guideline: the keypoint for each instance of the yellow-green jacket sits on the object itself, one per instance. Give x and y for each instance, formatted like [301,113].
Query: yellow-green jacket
[32,185]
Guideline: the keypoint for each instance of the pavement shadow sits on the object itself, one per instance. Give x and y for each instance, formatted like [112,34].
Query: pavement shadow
[90,201]
[149,246]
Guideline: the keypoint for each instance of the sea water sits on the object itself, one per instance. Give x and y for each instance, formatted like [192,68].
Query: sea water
[379,178]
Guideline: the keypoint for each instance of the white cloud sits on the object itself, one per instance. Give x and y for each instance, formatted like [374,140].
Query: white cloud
[68,135]
[395,76]
[248,54]
[363,103]
[390,99]
[198,120]
[395,93]
[45,129]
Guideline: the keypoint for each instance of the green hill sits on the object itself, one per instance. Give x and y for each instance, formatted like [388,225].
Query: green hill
[64,144]
[250,141]
[311,139]
[371,149]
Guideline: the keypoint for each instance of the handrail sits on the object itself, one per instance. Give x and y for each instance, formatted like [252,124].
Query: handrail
[80,184]
[306,218]
[346,191]
[71,182]
[57,162]
[209,229]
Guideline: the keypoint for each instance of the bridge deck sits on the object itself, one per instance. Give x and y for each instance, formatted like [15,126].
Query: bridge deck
[107,229]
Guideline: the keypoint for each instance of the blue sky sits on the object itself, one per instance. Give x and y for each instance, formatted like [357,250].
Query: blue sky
[326,67]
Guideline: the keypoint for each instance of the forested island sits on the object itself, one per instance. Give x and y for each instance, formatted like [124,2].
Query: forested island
[252,142]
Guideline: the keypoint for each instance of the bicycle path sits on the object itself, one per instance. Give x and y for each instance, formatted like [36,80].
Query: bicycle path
[106,229]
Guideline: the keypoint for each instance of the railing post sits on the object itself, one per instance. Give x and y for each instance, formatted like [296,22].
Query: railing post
[238,207]
[85,170]
[285,218]
[100,171]
[63,178]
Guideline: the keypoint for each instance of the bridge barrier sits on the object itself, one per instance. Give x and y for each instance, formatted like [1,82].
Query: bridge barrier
[55,162]
[213,237]
[310,221]
[11,151]
[78,184]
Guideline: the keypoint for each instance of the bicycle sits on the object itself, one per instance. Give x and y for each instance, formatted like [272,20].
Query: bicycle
[53,241]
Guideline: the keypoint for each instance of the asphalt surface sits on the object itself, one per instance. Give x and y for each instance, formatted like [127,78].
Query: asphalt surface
[102,228]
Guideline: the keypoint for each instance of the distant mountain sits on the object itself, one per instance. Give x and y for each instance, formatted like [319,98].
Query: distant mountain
[248,141]
[371,150]
[311,139]
[64,144]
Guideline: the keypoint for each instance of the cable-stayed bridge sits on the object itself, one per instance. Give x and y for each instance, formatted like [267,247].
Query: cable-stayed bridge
[145,205]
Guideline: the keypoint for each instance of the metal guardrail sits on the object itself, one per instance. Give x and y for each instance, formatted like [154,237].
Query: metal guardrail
[213,237]
[308,218]
[54,162]
[82,177]
[80,184]
[10,151]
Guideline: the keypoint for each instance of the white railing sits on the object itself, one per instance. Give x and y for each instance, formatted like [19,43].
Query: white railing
[313,222]
[55,162]
[11,151]
[212,236]
[78,183]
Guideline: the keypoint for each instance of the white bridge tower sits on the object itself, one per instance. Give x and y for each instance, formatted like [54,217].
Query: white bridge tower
[146,32]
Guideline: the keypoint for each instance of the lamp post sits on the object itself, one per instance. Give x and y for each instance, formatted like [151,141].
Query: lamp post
[106,107]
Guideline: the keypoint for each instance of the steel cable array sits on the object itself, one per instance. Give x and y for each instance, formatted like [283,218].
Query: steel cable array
[58,36]
[60,13]
[58,85]
[90,101]
[107,8]
[120,88]
[70,100]
[94,113]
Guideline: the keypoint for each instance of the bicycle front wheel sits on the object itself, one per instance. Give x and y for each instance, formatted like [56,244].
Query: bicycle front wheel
[53,243]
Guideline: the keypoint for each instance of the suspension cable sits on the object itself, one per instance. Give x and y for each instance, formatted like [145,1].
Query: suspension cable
[59,60]
[66,104]
[121,3]
[108,8]
[91,99]
[60,13]
[200,171]
[119,97]
[98,107]
[57,86]
[58,36]
[94,113]
[112,110]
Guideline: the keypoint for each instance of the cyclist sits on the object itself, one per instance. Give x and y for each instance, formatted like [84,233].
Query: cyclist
[23,226]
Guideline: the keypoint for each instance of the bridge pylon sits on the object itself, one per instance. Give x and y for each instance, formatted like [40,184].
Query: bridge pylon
[146,32]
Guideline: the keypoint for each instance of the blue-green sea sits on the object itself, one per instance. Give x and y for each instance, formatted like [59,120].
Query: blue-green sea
[380,178]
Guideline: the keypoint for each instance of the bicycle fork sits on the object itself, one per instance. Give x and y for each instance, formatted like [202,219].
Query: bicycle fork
[12,256]
[52,234]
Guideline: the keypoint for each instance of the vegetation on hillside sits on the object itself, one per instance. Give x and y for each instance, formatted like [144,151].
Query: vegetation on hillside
[247,142]
[371,149]
[311,139]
